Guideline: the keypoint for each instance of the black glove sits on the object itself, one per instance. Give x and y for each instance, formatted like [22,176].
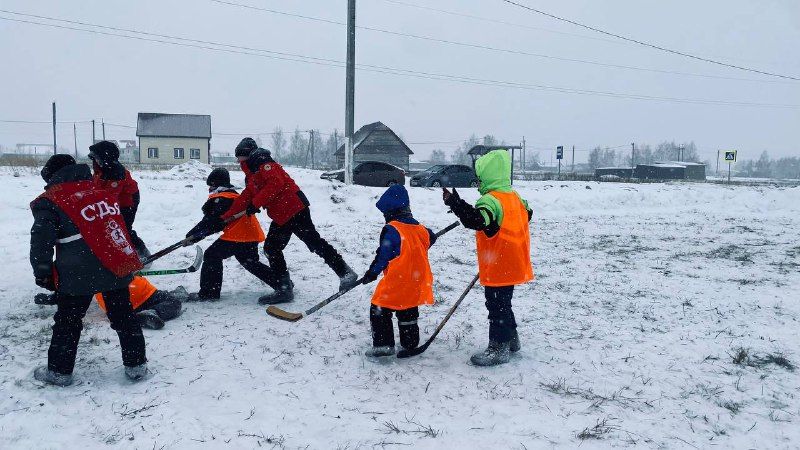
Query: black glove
[450,198]
[368,278]
[46,283]
[252,209]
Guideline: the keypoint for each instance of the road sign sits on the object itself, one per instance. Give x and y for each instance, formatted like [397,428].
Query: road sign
[730,156]
[560,152]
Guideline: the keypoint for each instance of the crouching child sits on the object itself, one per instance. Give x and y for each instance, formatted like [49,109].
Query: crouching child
[500,219]
[407,280]
[151,306]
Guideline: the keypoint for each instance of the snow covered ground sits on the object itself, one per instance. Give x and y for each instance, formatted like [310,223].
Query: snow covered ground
[631,334]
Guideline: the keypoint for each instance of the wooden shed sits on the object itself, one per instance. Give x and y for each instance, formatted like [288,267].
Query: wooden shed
[377,142]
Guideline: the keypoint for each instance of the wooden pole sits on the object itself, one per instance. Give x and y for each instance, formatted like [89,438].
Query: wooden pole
[55,147]
[350,88]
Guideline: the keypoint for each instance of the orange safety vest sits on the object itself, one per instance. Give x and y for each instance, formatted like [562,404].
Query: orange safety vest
[505,258]
[140,288]
[243,229]
[407,281]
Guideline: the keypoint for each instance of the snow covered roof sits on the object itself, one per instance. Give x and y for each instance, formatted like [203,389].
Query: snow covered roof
[173,125]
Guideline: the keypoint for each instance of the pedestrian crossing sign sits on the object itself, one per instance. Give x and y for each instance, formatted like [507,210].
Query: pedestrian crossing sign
[730,156]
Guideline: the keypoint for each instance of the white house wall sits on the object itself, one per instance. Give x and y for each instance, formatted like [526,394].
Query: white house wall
[166,148]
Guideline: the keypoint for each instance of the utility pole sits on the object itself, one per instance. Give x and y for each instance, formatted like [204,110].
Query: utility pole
[573,159]
[633,154]
[75,138]
[55,148]
[94,138]
[524,155]
[717,162]
[103,122]
[680,152]
[350,90]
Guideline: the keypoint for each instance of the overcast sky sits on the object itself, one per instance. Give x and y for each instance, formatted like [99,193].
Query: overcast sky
[99,76]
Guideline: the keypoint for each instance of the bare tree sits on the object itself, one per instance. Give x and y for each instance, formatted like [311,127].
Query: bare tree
[278,142]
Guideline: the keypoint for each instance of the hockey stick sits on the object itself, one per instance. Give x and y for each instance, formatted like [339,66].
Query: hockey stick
[416,351]
[198,261]
[186,242]
[278,313]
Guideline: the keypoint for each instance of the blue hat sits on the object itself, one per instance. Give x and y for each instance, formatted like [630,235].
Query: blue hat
[396,197]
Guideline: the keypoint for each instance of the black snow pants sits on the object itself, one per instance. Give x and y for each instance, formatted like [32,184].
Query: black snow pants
[244,252]
[303,227]
[166,305]
[383,332]
[68,324]
[501,317]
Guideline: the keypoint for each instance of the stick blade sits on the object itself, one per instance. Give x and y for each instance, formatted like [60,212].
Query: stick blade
[404,353]
[278,313]
[198,260]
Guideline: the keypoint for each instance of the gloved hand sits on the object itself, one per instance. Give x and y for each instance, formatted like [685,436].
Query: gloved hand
[450,198]
[252,209]
[368,278]
[46,283]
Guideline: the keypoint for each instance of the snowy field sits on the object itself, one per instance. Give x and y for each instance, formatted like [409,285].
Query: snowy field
[664,316]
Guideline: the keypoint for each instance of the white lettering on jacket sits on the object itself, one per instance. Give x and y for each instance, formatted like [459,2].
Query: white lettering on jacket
[99,210]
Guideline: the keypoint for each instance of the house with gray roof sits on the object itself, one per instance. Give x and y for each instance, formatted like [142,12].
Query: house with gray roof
[170,139]
[377,142]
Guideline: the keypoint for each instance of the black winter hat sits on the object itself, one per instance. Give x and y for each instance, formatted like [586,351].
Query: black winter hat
[258,158]
[219,177]
[246,146]
[104,152]
[54,164]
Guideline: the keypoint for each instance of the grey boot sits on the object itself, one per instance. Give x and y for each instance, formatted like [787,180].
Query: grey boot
[196,297]
[284,293]
[180,292]
[514,345]
[496,353]
[136,373]
[348,280]
[380,351]
[45,375]
[149,319]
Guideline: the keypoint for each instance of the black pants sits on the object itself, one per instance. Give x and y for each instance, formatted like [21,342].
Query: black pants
[128,216]
[501,317]
[244,252]
[383,332]
[303,227]
[68,324]
[166,305]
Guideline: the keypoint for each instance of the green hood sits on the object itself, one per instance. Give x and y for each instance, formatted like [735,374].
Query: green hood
[494,170]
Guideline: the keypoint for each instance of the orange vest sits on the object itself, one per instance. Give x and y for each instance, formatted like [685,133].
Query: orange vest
[407,281]
[141,290]
[505,258]
[243,229]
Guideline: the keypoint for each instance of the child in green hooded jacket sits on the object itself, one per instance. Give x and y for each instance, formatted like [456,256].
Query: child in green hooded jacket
[500,219]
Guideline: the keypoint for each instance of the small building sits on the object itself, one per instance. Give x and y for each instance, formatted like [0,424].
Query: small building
[671,170]
[376,142]
[172,139]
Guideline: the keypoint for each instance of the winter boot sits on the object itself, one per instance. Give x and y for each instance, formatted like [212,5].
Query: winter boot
[179,292]
[514,345]
[197,297]
[375,352]
[45,299]
[349,280]
[149,319]
[496,353]
[136,373]
[284,293]
[46,375]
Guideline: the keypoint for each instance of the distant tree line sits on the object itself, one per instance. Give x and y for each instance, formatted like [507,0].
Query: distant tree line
[643,154]
[766,167]
[294,147]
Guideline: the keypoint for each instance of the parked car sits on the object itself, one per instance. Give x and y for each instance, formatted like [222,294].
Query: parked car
[452,175]
[371,173]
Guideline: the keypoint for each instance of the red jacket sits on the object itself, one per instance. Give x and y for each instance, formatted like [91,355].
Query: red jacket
[272,188]
[125,188]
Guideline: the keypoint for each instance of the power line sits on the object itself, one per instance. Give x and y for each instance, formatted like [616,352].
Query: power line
[492,48]
[654,46]
[45,121]
[209,45]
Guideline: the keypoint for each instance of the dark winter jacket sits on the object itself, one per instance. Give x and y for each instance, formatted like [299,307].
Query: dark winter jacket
[395,206]
[269,187]
[79,271]
[213,208]
[117,179]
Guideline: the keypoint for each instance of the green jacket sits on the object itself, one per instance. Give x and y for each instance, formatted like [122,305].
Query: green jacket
[494,171]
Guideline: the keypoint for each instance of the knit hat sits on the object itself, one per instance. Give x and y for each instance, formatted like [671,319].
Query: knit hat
[246,146]
[219,177]
[104,152]
[54,164]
